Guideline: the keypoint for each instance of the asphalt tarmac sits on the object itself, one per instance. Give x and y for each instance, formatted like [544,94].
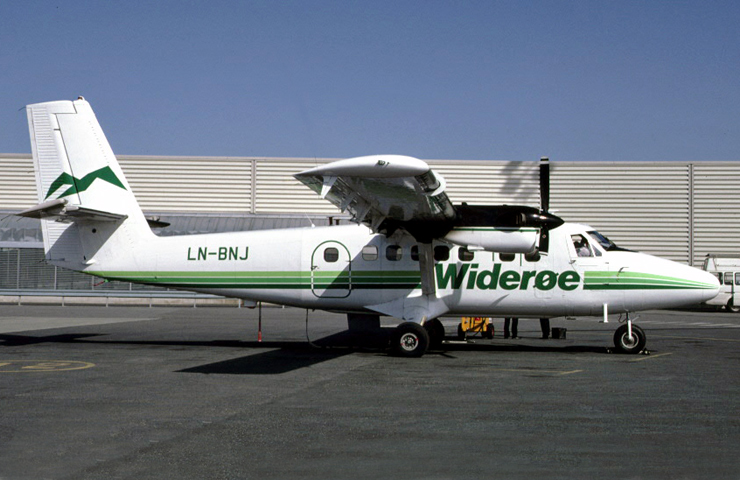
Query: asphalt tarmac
[189,393]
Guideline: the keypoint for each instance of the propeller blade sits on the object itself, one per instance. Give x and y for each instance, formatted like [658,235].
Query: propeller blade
[544,184]
[544,244]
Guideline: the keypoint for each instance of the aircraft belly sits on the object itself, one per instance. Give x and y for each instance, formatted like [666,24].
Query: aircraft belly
[509,303]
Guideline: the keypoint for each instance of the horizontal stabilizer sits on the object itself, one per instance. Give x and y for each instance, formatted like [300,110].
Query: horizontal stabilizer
[62,211]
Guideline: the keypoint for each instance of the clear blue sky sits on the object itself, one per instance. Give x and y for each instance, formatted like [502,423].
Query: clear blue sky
[515,80]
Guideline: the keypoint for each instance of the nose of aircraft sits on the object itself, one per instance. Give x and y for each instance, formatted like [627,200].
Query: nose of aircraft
[712,284]
[691,286]
[702,285]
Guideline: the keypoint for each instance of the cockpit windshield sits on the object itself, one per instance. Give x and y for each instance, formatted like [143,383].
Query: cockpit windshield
[605,243]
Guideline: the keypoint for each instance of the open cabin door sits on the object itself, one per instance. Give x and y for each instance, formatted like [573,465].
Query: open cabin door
[331,270]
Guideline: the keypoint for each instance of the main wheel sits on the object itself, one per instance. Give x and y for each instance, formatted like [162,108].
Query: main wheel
[625,344]
[409,340]
[436,332]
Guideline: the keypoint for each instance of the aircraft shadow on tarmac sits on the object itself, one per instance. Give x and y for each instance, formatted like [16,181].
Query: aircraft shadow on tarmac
[287,356]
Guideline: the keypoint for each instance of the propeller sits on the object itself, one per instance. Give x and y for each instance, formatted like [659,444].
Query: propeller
[544,184]
[546,218]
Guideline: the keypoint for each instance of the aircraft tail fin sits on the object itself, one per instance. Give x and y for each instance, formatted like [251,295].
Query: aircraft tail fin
[85,201]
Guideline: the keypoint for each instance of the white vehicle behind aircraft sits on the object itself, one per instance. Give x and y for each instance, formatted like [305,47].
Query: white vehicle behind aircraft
[413,255]
[727,270]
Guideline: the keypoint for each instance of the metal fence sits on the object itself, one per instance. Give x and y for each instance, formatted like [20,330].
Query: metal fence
[24,269]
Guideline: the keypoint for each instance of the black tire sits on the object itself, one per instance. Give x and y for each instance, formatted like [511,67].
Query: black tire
[489,331]
[623,343]
[436,332]
[461,334]
[730,307]
[409,340]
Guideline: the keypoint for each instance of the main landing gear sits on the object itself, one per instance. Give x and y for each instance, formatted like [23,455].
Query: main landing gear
[410,339]
[629,338]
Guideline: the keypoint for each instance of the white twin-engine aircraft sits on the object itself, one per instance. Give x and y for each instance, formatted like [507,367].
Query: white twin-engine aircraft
[413,255]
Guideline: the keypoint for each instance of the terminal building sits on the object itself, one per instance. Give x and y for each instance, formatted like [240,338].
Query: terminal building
[681,211]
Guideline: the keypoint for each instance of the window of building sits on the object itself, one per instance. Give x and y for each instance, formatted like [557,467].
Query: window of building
[370,253]
[331,255]
[737,279]
[393,253]
[532,257]
[728,278]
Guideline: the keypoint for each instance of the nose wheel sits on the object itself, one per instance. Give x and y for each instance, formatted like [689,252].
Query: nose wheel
[626,343]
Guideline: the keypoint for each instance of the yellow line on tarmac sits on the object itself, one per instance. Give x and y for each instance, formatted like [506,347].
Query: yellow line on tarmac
[648,357]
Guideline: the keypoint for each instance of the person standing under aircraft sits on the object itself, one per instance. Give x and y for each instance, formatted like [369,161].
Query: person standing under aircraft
[545,326]
[514,323]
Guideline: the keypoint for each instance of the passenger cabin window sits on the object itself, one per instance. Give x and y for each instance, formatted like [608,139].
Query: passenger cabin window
[532,257]
[370,253]
[393,253]
[507,257]
[331,255]
[583,249]
[465,255]
[441,253]
[728,278]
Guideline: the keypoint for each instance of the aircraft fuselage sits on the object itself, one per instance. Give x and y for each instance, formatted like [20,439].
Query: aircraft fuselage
[347,268]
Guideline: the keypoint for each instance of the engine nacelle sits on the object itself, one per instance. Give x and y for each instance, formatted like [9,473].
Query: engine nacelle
[504,240]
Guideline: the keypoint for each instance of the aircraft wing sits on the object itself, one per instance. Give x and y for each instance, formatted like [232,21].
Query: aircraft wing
[385,192]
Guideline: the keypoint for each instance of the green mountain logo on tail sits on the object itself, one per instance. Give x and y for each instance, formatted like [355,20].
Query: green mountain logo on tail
[77,185]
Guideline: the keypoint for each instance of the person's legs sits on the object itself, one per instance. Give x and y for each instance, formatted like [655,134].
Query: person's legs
[545,326]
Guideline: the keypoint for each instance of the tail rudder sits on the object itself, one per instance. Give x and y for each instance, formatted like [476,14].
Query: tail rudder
[80,185]
[74,161]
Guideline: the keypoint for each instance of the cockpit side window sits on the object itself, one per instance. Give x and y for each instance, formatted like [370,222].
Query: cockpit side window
[583,249]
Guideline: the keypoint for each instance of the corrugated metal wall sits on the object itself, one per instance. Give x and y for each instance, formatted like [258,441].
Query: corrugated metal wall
[276,191]
[17,182]
[188,184]
[678,210]
[716,216]
[638,205]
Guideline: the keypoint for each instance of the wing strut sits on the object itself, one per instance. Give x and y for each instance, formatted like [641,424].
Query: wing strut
[426,266]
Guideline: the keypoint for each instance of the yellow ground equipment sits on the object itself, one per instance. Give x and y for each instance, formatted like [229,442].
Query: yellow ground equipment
[475,325]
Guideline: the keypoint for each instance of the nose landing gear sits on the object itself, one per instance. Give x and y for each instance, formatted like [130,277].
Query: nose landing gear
[629,338]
